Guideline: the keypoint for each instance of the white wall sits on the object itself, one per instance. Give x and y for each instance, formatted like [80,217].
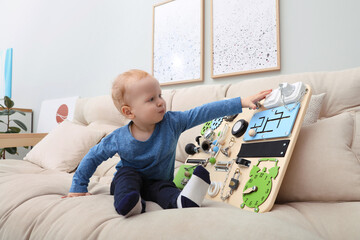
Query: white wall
[76,47]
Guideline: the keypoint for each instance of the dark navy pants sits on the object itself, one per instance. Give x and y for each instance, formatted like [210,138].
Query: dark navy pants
[126,180]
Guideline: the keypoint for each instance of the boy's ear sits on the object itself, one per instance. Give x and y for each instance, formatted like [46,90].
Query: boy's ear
[126,111]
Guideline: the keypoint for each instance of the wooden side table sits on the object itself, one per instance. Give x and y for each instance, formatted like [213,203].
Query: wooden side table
[20,139]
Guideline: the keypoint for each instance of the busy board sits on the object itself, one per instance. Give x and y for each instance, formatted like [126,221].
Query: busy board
[247,154]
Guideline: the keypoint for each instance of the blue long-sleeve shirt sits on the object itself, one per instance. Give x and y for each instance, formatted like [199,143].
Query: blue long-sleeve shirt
[155,157]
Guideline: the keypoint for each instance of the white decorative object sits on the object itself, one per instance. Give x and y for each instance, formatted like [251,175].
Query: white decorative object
[6,57]
[54,112]
[314,109]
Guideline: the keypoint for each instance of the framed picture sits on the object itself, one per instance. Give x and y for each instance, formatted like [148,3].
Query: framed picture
[245,37]
[178,40]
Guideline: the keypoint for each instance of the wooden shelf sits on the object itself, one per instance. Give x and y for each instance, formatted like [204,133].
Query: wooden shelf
[19,109]
[20,139]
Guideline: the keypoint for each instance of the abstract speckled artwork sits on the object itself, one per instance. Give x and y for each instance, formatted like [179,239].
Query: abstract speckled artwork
[178,41]
[245,37]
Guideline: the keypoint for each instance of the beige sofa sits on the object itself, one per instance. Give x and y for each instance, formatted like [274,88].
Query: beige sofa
[319,197]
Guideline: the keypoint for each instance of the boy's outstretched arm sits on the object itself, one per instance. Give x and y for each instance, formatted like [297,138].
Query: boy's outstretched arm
[97,154]
[249,102]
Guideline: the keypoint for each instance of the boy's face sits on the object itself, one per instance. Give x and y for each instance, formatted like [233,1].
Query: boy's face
[145,100]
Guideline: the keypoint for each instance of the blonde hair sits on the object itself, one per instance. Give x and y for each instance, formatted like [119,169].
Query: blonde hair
[120,84]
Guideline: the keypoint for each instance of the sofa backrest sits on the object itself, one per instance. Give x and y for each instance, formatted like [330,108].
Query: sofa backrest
[342,90]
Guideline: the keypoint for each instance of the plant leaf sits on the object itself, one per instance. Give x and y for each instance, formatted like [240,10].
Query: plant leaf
[12,150]
[20,124]
[8,102]
[22,113]
[14,130]
[3,112]
[7,112]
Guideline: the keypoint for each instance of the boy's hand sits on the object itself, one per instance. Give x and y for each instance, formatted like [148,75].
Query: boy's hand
[73,194]
[251,101]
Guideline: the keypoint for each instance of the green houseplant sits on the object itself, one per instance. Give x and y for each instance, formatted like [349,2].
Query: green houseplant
[7,111]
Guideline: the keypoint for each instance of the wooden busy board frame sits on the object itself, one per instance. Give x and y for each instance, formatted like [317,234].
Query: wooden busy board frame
[273,167]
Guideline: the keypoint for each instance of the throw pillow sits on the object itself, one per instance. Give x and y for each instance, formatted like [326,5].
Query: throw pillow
[323,166]
[64,147]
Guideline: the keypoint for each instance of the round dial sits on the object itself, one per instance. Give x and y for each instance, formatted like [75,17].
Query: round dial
[239,128]
[260,187]
[257,189]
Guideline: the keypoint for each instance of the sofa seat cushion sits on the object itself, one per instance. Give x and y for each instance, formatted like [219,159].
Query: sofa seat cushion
[11,166]
[41,213]
[333,220]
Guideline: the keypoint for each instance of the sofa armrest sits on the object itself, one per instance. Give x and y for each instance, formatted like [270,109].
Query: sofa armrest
[20,139]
